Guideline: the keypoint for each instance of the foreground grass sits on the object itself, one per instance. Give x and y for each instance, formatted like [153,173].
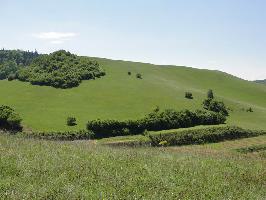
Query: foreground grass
[37,169]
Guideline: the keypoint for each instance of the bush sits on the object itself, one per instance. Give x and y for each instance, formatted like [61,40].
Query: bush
[250,110]
[155,121]
[188,95]
[11,77]
[71,121]
[9,119]
[201,135]
[215,106]
[139,76]
[129,73]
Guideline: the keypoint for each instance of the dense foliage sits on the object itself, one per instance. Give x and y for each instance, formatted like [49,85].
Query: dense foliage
[9,119]
[13,60]
[60,69]
[61,135]
[165,120]
[201,135]
[215,106]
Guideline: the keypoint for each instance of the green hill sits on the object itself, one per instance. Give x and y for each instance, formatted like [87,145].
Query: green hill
[121,96]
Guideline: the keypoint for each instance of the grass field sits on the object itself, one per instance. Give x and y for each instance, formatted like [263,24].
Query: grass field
[120,96]
[38,169]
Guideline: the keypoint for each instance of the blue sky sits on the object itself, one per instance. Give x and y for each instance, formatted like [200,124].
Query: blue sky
[227,35]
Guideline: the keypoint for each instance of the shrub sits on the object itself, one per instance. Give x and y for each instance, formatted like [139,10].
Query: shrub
[11,77]
[9,119]
[210,94]
[71,121]
[155,121]
[201,135]
[250,110]
[129,73]
[139,76]
[188,95]
[215,106]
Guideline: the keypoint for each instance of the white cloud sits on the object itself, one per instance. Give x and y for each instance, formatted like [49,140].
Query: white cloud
[55,37]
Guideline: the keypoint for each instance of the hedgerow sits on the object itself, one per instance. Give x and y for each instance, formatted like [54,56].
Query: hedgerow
[155,121]
[201,135]
[61,135]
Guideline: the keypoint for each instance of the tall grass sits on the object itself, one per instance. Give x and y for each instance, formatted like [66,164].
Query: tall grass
[37,169]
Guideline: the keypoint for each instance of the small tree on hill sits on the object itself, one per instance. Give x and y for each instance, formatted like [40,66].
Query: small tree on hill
[210,94]
[129,73]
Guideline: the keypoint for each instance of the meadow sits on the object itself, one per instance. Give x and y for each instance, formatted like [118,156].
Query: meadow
[121,96]
[39,169]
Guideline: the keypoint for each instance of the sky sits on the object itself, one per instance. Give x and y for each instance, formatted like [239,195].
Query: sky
[225,35]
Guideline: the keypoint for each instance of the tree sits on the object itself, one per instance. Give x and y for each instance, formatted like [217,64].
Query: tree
[210,94]
[129,73]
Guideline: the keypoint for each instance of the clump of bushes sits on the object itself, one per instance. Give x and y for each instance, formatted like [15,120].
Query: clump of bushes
[9,119]
[201,135]
[71,121]
[62,135]
[60,69]
[188,95]
[155,121]
[216,106]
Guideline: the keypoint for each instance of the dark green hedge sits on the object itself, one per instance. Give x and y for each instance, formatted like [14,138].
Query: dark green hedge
[201,135]
[61,135]
[155,121]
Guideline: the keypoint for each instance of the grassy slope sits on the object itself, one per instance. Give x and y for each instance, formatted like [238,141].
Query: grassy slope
[37,169]
[120,96]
